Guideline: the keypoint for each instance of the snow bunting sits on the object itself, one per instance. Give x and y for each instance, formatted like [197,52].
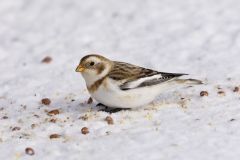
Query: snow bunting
[123,85]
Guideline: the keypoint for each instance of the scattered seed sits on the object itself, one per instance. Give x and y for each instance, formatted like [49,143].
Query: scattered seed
[53,120]
[221,93]
[16,128]
[46,101]
[33,126]
[90,100]
[84,130]
[29,151]
[52,136]
[236,89]
[35,115]
[109,120]
[47,59]
[203,93]
[232,119]
[5,117]
[53,112]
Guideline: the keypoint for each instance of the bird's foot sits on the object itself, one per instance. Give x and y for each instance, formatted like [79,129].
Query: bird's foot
[109,109]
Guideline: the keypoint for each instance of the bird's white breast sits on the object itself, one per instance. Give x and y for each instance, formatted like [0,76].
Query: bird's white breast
[110,95]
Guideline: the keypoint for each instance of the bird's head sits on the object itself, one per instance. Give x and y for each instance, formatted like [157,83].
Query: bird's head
[94,67]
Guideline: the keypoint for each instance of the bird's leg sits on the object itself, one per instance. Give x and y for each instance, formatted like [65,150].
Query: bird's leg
[100,105]
[109,109]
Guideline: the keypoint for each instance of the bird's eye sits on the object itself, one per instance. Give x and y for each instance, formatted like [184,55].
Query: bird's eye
[91,63]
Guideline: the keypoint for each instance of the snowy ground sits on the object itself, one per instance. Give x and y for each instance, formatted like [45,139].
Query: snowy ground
[200,37]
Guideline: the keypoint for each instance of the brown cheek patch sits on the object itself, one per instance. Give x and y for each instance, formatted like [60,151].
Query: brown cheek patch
[100,68]
[96,85]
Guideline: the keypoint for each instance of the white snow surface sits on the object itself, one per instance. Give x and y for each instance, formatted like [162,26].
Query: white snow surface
[199,37]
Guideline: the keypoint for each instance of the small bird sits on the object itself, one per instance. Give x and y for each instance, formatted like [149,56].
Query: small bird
[122,85]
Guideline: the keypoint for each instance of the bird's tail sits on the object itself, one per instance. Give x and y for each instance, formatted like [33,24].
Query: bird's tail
[189,81]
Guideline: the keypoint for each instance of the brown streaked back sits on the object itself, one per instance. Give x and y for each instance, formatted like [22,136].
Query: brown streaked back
[128,71]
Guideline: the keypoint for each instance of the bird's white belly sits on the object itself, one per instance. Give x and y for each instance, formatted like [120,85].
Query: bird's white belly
[114,97]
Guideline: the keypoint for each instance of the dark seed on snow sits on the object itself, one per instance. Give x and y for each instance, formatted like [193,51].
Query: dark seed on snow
[29,151]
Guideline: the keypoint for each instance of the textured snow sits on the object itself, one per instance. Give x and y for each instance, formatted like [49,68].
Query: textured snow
[201,38]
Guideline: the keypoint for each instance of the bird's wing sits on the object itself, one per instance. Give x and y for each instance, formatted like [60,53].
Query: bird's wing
[132,76]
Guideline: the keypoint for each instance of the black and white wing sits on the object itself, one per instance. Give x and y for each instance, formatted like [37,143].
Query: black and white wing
[161,77]
[133,76]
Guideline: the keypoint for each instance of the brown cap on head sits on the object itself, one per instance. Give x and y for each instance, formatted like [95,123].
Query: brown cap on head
[93,55]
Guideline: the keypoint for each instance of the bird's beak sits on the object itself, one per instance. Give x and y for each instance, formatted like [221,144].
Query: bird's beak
[80,68]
